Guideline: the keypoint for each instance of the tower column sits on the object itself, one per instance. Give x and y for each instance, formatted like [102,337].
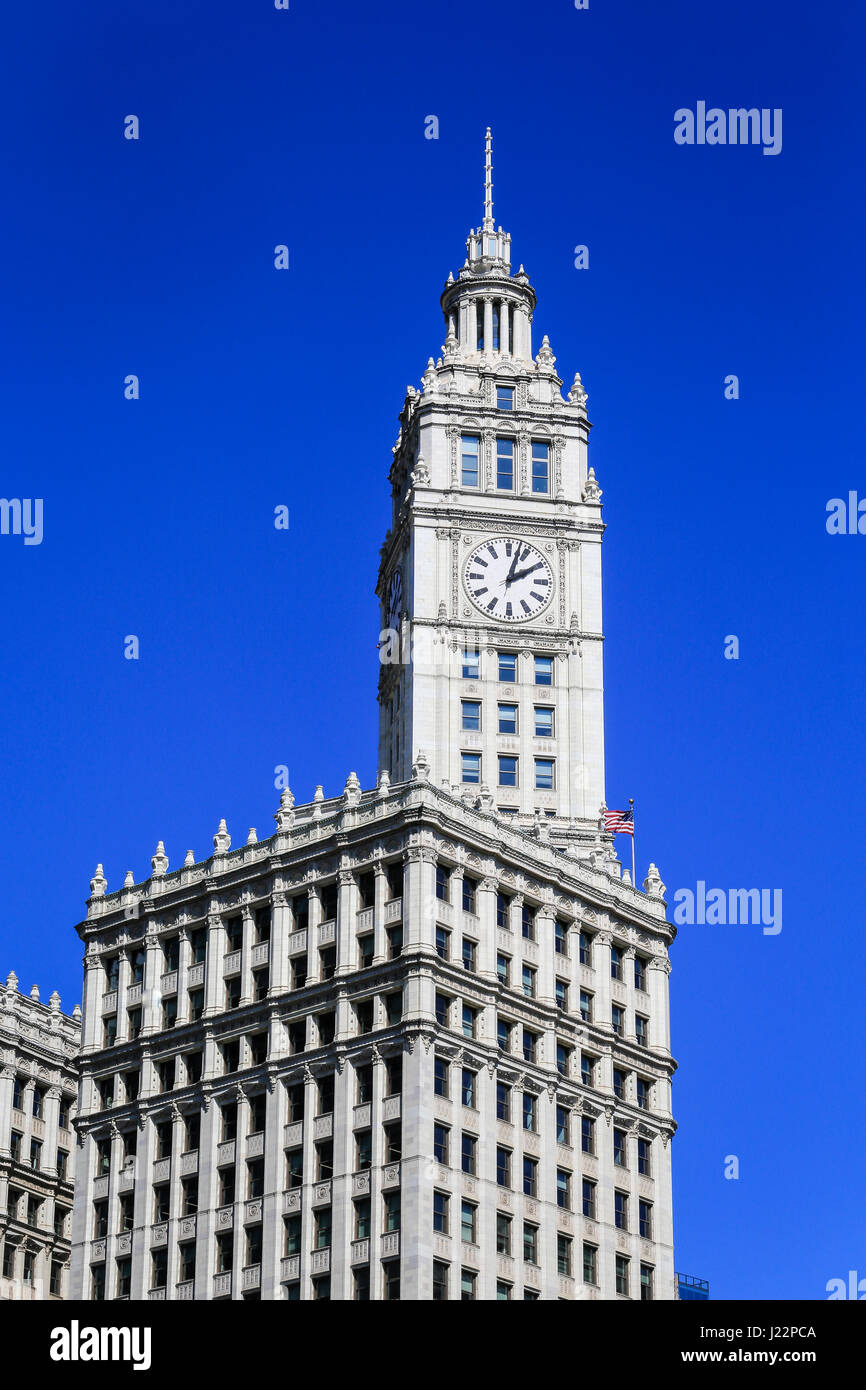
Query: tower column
[488,323]
[504,343]
[473,325]
[461,321]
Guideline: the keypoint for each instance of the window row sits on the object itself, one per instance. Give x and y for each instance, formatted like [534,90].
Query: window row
[508,771]
[507,718]
[507,667]
[506,456]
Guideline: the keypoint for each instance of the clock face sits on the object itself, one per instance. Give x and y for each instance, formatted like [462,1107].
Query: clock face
[508,579]
[395,598]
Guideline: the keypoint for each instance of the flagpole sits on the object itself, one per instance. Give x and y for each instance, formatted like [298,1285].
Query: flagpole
[631,805]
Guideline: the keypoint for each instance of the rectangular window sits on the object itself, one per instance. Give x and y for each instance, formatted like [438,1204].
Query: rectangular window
[470,768]
[586,1006]
[641,1030]
[530,1177]
[617,1018]
[392,1211]
[508,719]
[643,1093]
[645,1220]
[561,989]
[620,1210]
[322,1220]
[585,949]
[362,1221]
[544,670]
[504,397]
[440,1078]
[443,1010]
[563,1189]
[587,1134]
[528,977]
[622,1275]
[470,1017]
[440,1144]
[470,664]
[563,1255]
[468,1154]
[620,1156]
[560,938]
[543,721]
[503,1167]
[440,1282]
[530,1045]
[468,1285]
[503,1034]
[507,771]
[469,887]
[507,667]
[467,1088]
[639,972]
[502,968]
[646,1283]
[442,883]
[530,1244]
[587,1069]
[187,1261]
[619,1083]
[540,467]
[440,1213]
[363,1150]
[468,1215]
[563,1125]
[527,923]
[505,465]
[159,1271]
[616,963]
[470,715]
[503,1102]
[469,456]
[530,1112]
[588,1192]
[503,1233]
[644,1152]
[590,1264]
[544,774]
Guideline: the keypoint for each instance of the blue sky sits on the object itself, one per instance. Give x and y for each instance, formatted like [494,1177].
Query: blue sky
[258,388]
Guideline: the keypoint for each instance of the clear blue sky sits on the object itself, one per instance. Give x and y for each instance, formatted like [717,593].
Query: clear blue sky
[259,388]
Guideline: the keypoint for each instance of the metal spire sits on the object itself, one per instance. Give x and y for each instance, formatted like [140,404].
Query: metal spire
[488,182]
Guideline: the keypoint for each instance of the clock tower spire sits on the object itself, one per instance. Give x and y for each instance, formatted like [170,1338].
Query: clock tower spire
[490,580]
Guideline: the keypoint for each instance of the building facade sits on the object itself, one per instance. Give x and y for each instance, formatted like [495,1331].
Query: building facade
[38,1097]
[415,1045]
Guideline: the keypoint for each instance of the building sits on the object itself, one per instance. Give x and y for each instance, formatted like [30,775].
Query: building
[416,1043]
[692,1290]
[38,1094]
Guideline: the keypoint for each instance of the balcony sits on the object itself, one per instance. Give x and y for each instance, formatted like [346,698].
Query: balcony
[361,1116]
[109,1002]
[394,910]
[123,1243]
[255,1145]
[161,1170]
[390,1244]
[157,1295]
[168,982]
[293,1134]
[290,1268]
[222,1285]
[320,1261]
[97,1251]
[195,976]
[360,1252]
[189,1163]
[323,1126]
[225,1218]
[251,1277]
[292,1200]
[327,933]
[225,1153]
[100,1188]
[364,920]
[159,1234]
[361,1184]
[253,1210]
[298,942]
[322,1193]
[184,1292]
[391,1175]
[186,1228]
[260,955]
[126,1180]
[232,964]
[391,1108]
[133,995]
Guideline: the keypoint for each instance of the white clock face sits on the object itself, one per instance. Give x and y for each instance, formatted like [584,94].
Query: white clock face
[508,579]
[395,598]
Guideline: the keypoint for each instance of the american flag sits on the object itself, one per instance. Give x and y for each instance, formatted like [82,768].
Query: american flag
[620,822]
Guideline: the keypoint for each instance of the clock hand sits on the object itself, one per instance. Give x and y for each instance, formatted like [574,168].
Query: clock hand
[523,573]
[509,578]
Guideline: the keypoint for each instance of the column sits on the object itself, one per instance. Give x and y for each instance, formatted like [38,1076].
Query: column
[486,903]
[239,1257]
[208,1198]
[52,1115]
[246,949]
[213,983]
[7,1077]
[380,937]
[546,952]
[473,325]
[488,324]
[183,963]
[272,1206]
[151,994]
[347,916]
[504,342]
[461,330]
[658,970]
[91,1004]
[124,974]
[281,929]
[314,918]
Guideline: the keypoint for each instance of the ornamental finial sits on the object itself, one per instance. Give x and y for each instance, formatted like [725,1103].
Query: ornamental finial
[488,181]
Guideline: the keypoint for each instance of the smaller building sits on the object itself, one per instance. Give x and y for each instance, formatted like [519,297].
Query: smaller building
[692,1290]
[38,1096]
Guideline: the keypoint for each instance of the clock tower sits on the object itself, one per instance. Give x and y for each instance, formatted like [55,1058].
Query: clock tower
[490,580]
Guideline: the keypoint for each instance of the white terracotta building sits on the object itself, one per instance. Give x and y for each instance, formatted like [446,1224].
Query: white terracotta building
[416,1044]
[38,1096]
